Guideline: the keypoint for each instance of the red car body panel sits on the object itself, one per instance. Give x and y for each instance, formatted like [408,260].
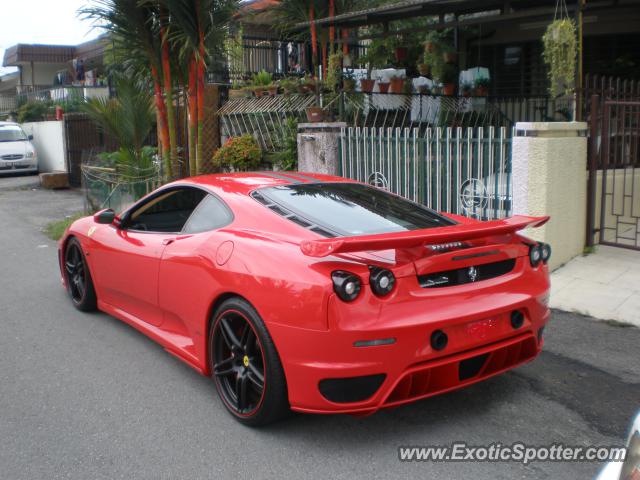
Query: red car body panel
[167,285]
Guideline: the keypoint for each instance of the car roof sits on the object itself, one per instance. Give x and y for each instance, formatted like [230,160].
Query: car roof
[245,183]
[4,124]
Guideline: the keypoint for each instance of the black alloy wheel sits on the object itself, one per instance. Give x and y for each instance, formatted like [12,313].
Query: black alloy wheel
[245,365]
[78,277]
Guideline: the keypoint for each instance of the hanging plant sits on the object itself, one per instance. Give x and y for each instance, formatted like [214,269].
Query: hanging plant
[560,54]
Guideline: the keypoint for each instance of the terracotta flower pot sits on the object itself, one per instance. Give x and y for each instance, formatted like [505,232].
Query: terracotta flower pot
[315,114]
[237,93]
[273,91]
[260,92]
[348,85]
[449,89]
[383,87]
[482,91]
[401,54]
[366,84]
[397,85]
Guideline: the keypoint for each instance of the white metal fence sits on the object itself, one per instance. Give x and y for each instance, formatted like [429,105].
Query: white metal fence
[455,170]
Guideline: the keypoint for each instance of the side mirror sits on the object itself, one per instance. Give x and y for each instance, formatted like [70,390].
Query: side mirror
[30,137]
[105,217]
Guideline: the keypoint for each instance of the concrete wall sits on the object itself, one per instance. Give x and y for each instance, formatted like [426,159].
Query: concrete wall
[318,147]
[43,73]
[48,138]
[550,178]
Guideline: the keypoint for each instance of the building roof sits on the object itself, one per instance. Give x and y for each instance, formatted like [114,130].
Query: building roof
[40,53]
[421,8]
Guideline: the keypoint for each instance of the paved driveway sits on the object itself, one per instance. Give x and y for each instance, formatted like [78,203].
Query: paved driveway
[87,397]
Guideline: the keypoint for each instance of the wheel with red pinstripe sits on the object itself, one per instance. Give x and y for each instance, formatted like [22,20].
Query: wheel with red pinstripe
[245,365]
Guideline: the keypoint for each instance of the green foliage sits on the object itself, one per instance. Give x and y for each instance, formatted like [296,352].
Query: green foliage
[333,70]
[129,164]
[560,53]
[238,154]
[446,73]
[33,111]
[287,158]
[129,118]
[380,52]
[482,82]
[262,79]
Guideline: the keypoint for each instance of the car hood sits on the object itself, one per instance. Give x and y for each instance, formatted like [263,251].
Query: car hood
[15,148]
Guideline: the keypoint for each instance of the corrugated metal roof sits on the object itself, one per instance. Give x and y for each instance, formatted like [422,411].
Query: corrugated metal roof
[39,53]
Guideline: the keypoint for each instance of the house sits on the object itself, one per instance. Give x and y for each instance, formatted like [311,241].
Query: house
[52,72]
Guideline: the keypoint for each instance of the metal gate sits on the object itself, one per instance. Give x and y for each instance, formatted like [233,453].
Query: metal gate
[615,173]
[455,170]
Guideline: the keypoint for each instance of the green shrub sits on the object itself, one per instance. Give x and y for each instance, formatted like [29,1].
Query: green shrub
[32,111]
[238,154]
[287,157]
[262,79]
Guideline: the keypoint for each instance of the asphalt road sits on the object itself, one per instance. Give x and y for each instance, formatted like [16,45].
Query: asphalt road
[85,396]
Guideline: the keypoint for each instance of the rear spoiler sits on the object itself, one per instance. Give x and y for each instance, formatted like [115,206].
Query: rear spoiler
[416,238]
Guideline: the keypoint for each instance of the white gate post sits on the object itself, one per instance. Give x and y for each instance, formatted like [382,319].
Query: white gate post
[549,171]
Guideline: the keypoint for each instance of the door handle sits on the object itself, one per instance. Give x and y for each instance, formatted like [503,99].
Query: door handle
[168,241]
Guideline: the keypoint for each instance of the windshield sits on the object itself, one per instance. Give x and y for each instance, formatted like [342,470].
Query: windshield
[12,133]
[351,209]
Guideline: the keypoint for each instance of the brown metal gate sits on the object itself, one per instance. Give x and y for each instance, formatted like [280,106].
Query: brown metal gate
[614,173]
[82,136]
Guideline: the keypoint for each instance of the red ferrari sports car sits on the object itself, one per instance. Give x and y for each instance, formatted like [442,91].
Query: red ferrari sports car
[312,292]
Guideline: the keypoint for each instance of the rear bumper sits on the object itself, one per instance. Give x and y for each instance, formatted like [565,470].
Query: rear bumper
[482,342]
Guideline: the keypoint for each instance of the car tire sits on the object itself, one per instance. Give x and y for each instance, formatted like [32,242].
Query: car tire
[240,351]
[78,277]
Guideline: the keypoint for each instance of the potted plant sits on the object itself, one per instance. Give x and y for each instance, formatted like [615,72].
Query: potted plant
[449,55]
[397,84]
[237,90]
[348,82]
[560,54]
[378,56]
[262,82]
[289,85]
[466,88]
[448,78]
[383,86]
[314,114]
[424,90]
[307,85]
[482,86]
[424,69]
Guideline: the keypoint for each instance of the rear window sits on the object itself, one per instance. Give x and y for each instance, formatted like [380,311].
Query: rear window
[348,209]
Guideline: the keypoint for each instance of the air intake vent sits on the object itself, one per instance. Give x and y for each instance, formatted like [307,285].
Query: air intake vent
[464,275]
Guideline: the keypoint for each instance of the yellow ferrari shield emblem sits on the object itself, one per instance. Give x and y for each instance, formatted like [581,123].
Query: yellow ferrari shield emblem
[91,231]
[245,361]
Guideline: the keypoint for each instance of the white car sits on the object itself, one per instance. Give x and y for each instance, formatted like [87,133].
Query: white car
[17,153]
[630,469]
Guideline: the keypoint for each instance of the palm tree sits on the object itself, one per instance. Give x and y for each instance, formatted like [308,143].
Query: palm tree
[197,28]
[128,118]
[133,28]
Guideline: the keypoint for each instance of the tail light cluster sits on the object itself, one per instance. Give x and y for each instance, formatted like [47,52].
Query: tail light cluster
[348,285]
[540,252]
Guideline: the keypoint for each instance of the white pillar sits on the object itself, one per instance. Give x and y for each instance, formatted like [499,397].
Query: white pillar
[549,165]
[318,145]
